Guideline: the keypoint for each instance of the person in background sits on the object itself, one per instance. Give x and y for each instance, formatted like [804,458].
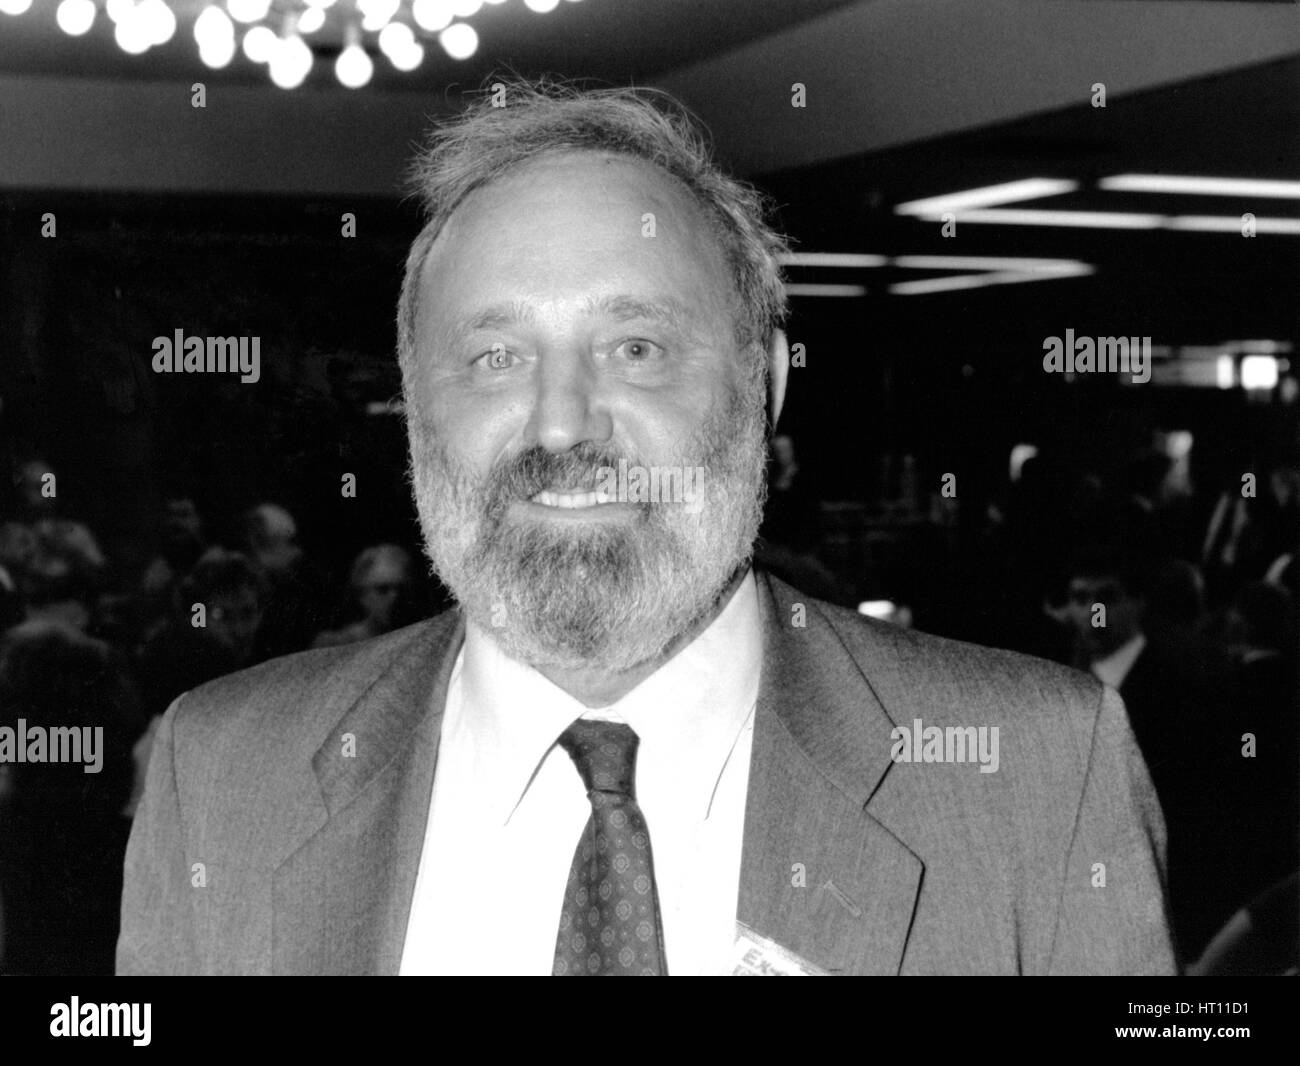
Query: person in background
[1173,701]
[382,587]
[62,833]
[294,604]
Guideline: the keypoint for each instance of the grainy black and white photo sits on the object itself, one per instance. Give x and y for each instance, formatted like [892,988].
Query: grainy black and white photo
[649,488]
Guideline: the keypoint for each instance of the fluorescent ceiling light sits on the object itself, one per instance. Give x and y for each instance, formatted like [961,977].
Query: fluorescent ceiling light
[826,290]
[986,262]
[979,281]
[1007,193]
[1233,224]
[1086,219]
[1193,186]
[833,259]
[1258,372]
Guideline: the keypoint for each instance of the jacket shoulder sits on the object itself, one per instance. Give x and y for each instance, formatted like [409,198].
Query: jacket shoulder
[291,702]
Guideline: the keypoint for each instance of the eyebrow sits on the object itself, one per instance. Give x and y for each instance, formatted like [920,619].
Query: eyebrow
[621,308]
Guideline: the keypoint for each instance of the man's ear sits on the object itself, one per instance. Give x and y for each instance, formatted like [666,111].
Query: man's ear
[778,368]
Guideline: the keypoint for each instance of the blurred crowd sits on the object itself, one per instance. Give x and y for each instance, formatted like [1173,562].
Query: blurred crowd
[1182,601]
[84,645]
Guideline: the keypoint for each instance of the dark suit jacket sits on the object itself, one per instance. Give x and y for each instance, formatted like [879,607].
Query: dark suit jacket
[308,858]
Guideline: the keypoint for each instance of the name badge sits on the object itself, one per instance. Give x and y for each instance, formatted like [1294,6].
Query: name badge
[757,956]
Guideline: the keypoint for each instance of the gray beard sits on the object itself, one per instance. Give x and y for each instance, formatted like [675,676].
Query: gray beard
[593,596]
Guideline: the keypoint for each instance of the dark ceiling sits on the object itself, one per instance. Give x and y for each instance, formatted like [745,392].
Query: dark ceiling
[613,40]
[1186,288]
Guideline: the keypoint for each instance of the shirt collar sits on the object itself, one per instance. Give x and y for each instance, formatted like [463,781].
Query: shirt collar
[688,713]
[1112,669]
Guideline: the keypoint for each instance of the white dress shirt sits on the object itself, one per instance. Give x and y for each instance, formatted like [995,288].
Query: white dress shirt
[508,806]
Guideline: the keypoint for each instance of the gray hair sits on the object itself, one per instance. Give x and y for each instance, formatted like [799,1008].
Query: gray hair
[487,142]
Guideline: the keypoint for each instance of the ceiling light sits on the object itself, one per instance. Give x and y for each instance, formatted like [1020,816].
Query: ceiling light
[376,14]
[75,16]
[290,62]
[986,196]
[1258,372]
[1015,216]
[259,44]
[826,290]
[14,7]
[409,58]
[432,15]
[465,8]
[541,6]
[851,260]
[1192,186]
[218,54]
[353,67]
[987,262]
[159,22]
[395,38]
[459,40]
[248,10]
[311,19]
[1233,224]
[978,281]
[132,33]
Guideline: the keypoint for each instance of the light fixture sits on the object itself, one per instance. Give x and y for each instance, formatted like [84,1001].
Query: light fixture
[1225,372]
[14,7]
[311,19]
[850,260]
[259,44]
[1021,216]
[1258,372]
[459,40]
[248,10]
[432,15]
[215,35]
[542,7]
[119,9]
[464,9]
[408,59]
[395,38]
[353,68]
[159,22]
[1234,224]
[376,14]
[793,289]
[290,62]
[954,282]
[987,196]
[75,17]
[132,33]
[1254,188]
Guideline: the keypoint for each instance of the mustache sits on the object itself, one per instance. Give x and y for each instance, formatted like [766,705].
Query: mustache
[524,475]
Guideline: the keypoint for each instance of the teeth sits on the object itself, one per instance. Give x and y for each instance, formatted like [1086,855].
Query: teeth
[570,500]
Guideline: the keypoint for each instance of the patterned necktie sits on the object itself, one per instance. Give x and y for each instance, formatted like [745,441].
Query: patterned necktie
[609,926]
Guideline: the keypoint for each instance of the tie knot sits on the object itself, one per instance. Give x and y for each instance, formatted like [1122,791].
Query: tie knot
[605,755]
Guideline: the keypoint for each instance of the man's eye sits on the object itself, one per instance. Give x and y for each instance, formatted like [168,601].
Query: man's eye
[498,357]
[637,350]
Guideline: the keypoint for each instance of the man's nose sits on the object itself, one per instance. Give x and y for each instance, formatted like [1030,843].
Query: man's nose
[567,408]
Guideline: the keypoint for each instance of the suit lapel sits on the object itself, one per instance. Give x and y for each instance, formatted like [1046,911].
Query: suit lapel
[822,873]
[341,901]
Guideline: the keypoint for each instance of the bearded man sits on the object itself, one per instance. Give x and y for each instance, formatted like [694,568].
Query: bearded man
[625,752]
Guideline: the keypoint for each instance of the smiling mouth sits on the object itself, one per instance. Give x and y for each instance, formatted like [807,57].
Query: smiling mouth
[570,500]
